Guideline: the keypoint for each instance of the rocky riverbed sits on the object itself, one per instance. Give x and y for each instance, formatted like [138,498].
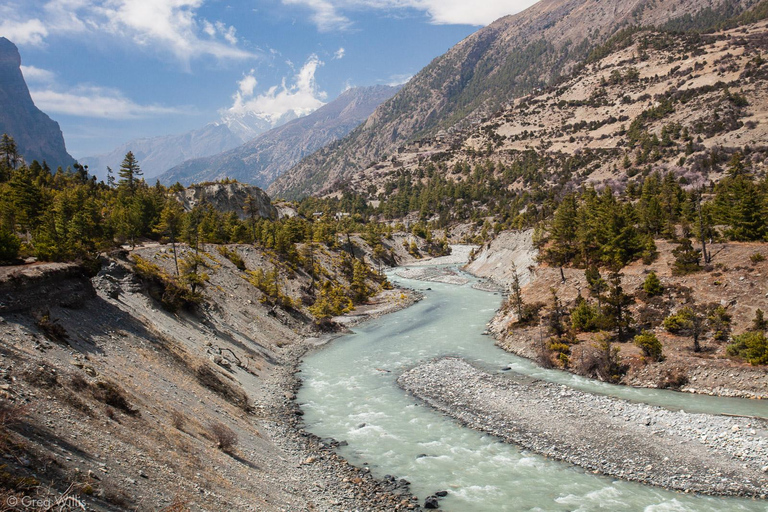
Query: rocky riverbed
[709,454]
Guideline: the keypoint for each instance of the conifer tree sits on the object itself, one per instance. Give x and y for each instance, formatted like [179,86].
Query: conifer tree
[130,172]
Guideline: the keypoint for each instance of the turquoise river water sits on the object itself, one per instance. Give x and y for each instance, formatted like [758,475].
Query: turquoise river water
[349,393]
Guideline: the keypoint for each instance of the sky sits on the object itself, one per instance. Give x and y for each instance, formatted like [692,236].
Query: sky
[113,70]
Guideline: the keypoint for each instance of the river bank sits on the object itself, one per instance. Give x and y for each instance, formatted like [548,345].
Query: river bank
[699,453]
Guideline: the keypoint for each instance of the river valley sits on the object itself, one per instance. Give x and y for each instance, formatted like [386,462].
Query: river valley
[350,393]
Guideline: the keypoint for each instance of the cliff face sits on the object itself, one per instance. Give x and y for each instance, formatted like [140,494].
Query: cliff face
[261,160]
[37,136]
[227,197]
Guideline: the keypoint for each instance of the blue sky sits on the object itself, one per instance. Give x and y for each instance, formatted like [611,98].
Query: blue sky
[112,70]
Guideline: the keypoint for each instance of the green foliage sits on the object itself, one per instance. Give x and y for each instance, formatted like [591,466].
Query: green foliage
[173,292]
[652,285]
[751,346]
[585,317]
[720,322]
[756,258]
[679,322]
[759,323]
[686,258]
[9,246]
[233,256]
[650,345]
[333,301]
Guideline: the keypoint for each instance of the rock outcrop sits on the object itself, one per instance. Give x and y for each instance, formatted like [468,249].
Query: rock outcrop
[37,136]
[228,197]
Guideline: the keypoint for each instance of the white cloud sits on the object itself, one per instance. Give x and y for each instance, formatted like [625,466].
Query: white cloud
[30,32]
[399,79]
[339,53]
[301,97]
[99,102]
[172,26]
[33,74]
[329,14]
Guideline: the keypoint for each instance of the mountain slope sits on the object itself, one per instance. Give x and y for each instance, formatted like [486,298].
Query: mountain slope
[37,136]
[262,159]
[158,154]
[680,104]
[512,56]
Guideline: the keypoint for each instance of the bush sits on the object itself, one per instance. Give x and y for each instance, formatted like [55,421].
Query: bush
[756,258]
[650,345]
[585,317]
[232,256]
[225,438]
[110,394]
[678,322]
[9,246]
[751,346]
[652,286]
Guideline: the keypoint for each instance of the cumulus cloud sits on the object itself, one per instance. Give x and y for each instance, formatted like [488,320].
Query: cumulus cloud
[30,32]
[172,26]
[301,96]
[33,74]
[98,102]
[339,53]
[329,14]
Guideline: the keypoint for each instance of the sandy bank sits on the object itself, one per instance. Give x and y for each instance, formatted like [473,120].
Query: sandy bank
[702,453]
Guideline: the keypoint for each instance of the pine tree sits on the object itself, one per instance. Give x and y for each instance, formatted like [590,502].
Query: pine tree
[652,285]
[130,172]
[9,152]
[617,305]
[171,219]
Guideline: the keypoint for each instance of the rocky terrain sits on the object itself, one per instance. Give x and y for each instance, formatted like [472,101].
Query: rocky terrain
[688,452]
[111,399]
[37,136]
[227,198]
[482,76]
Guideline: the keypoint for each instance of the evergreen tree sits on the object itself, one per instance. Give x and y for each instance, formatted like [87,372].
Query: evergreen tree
[652,285]
[617,305]
[171,222]
[130,172]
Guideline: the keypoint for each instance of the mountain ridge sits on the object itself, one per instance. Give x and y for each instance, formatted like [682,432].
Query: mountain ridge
[37,136]
[512,56]
[260,160]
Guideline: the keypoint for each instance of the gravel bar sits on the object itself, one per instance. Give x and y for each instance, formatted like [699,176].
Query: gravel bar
[702,453]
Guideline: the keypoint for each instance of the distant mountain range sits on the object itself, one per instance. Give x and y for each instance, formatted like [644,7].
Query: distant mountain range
[158,154]
[37,136]
[509,58]
[264,158]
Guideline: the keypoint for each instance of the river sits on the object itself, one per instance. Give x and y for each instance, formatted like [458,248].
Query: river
[349,393]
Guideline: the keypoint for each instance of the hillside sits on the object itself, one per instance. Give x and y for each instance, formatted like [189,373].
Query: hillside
[511,57]
[678,104]
[37,136]
[261,160]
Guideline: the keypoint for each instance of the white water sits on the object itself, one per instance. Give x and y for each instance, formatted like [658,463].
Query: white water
[350,394]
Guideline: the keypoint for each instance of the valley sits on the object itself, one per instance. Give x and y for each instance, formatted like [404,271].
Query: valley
[531,277]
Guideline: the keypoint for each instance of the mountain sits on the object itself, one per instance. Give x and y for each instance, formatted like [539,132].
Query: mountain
[680,104]
[37,136]
[507,59]
[158,154]
[264,158]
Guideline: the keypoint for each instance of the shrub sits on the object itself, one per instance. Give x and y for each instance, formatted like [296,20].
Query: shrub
[751,346]
[225,437]
[112,395]
[686,258]
[652,285]
[9,246]
[232,256]
[678,322]
[756,258]
[585,317]
[759,323]
[650,345]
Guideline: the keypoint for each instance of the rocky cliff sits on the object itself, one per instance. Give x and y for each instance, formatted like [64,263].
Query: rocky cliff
[261,160]
[227,197]
[37,136]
